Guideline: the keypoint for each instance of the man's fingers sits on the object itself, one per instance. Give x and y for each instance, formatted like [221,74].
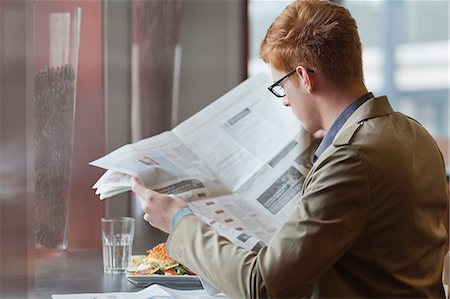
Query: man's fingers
[146,196]
[147,217]
[158,208]
[140,190]
[136,185]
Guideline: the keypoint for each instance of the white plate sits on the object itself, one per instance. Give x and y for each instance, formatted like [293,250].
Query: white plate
[173,281]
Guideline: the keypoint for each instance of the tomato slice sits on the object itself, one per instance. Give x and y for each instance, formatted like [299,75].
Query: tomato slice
[170,271]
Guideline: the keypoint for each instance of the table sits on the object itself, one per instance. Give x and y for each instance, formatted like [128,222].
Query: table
[76,272]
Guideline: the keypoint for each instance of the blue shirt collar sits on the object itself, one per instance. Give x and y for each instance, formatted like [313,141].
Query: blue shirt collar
[338,123]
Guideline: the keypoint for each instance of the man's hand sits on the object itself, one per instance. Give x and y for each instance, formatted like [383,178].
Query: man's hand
[158,208]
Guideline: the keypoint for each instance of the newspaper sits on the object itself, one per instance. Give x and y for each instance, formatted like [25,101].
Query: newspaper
[152,292]
[239,163]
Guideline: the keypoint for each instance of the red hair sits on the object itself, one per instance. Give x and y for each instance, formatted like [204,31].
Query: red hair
[319,35]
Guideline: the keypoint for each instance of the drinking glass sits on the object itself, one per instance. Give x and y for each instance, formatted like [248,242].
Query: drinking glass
[117,240]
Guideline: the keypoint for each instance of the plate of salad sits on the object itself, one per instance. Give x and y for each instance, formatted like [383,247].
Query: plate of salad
[157,267]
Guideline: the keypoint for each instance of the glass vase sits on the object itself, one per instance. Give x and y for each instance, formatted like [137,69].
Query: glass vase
[57,38]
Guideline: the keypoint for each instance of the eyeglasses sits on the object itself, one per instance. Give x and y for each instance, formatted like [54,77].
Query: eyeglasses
[277,89]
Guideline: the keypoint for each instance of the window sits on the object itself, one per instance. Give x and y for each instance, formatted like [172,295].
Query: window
[405,55]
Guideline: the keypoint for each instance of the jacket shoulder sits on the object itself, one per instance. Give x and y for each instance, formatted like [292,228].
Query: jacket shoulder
[346,137]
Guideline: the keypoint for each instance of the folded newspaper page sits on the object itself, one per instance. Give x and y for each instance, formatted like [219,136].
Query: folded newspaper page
[239,162]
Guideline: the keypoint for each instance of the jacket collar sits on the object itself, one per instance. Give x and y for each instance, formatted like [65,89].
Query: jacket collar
[374,107]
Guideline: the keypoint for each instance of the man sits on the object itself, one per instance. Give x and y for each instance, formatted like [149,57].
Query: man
[369,222]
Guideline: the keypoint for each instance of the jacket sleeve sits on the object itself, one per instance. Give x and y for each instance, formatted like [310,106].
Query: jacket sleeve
[328,219]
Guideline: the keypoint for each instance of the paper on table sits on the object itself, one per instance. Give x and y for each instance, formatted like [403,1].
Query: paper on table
[152,292]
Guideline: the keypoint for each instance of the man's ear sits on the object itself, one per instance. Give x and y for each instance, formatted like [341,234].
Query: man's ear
[308,79]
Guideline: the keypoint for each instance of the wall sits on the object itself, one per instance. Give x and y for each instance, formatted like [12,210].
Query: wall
[211,52]
[15,194]
[116,57]
[211,64]
[20,53]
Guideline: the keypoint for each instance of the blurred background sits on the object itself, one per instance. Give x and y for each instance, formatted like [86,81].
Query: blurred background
[80,78]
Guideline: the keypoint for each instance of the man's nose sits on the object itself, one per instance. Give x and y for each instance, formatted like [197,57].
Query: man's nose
[286,102]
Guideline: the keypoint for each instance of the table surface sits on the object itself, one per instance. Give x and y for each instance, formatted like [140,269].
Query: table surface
[76,272]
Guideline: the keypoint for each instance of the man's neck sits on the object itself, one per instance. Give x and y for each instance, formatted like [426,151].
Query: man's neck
[334,101]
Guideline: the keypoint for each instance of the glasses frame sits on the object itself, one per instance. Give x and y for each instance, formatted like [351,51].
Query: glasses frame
[278,83]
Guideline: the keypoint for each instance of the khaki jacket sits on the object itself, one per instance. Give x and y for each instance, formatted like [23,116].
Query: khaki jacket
[369,223]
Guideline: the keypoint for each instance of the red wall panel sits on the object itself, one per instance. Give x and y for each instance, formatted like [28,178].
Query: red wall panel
[89,139]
